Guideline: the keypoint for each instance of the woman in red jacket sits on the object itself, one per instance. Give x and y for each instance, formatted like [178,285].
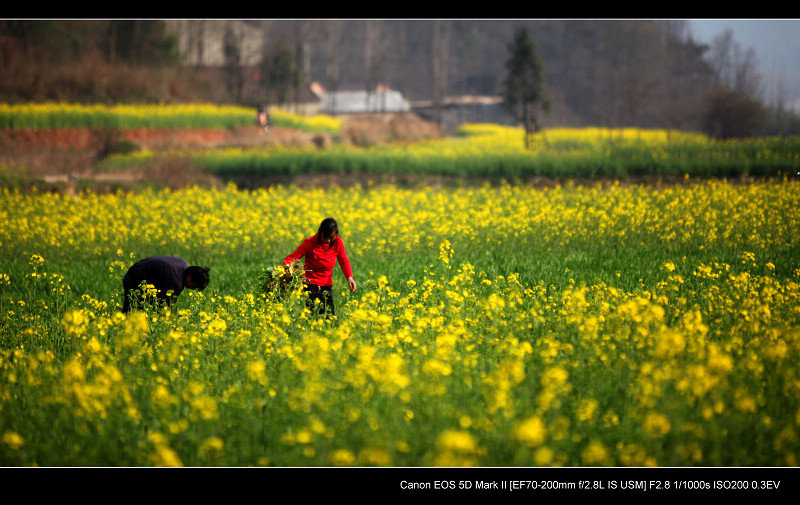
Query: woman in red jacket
[321,252]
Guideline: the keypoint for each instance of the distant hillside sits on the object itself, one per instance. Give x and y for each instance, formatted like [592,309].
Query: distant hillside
[65,158]
[611,73]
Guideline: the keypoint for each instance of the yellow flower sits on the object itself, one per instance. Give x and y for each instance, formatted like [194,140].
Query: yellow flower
[587,409]
[304,437]
[656,424]
[596,454]
[445,252]
[531,432]
[162,397]
[211,448]
[162,454]
[73,371]
[93,346]
[436,367]
[543,456]
[217,327]
[669,343]
[746,404]
[554,378]
[205,407]
[376,457]
[75,323]
[165,456]
[137,323]
[12,440]
[256,371]
[610,420]
[718,360]
[634,455]
[456,441]
[343,457]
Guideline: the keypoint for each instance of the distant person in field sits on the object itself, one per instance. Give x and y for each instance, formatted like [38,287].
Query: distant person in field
[168,274]
[262,119]
[321,252]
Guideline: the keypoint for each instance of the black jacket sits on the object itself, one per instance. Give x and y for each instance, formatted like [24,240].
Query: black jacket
[165,273]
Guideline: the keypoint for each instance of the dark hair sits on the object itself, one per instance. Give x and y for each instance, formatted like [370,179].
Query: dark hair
[199,276]
[327,228]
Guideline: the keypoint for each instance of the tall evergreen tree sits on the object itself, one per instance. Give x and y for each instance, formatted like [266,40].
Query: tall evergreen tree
[524,91]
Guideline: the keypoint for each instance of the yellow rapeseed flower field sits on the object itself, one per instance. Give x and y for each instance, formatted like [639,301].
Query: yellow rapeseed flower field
[602,325]
[177,115]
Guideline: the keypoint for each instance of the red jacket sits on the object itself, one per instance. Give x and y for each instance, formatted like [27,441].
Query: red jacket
[320,260]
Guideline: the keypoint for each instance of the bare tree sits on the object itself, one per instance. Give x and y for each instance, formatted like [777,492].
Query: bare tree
[374,56]
[440,60]
[333,38]
[398,64]
[232,57]
[686,78]
[302,33]
[720,57]
[631,56]
[747,77]
[196,42]
[734,67]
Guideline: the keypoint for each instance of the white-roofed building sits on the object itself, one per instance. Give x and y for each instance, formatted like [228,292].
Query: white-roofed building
[382,100]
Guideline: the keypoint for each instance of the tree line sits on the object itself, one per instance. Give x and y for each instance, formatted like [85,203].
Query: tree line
[613,73]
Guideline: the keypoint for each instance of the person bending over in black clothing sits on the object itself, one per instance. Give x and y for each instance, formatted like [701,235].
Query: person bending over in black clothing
[169,275]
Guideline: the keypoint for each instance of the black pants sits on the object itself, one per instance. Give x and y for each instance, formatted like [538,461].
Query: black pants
[325,296]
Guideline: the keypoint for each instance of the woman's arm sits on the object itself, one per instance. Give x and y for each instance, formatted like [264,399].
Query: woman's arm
[298,253]
[344,264]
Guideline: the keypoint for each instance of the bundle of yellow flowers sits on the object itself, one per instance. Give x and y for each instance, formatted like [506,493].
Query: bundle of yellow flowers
[280,280]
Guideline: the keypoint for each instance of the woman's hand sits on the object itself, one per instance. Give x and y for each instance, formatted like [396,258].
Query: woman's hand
[352,284]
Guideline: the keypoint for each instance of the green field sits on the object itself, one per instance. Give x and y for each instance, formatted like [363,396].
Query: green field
[479,151]
[497,152]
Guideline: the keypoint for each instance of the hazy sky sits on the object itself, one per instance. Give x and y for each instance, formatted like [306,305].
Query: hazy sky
[775,41]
